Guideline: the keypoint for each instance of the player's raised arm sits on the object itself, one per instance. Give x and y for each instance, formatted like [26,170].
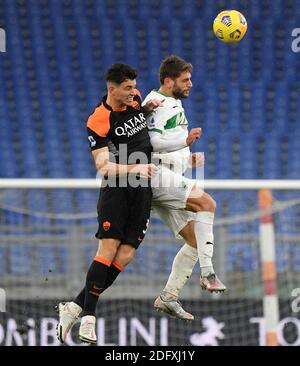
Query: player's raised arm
[194,134]
[163,143]
[152,104]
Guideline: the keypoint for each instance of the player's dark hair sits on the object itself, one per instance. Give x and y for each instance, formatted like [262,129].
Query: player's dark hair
[172,66]
[119,72]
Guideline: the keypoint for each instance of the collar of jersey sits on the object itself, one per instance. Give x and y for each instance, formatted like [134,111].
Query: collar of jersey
[107,106]
[165,95]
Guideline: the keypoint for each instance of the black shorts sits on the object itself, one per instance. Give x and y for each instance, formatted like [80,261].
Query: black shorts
[124,214]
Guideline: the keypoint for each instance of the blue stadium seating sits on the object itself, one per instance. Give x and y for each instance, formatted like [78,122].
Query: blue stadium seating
[295,253]
[2,261]
[57,55]
[20,260]
[244,258]
[241,258]
[46,259]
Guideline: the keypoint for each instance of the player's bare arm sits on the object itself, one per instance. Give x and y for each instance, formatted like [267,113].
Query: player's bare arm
[153,104]
[108,168]
[162,143]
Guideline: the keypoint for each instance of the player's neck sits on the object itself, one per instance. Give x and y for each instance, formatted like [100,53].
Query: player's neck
[167,92]
[115,106]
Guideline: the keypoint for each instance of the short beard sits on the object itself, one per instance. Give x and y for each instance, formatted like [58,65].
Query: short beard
[178,94]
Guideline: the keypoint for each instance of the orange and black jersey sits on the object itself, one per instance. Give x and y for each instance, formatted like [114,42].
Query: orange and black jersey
[111,128]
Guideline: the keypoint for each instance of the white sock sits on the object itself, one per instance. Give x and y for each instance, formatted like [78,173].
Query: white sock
[182,269]
[205,241]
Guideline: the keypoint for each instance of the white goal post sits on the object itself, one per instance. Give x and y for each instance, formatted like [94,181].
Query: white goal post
[233,184]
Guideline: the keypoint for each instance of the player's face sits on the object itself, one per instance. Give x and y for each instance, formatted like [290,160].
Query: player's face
[124,93]
[182,85]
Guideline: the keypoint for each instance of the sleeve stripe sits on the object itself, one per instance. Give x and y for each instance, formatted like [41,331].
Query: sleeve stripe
[155,130]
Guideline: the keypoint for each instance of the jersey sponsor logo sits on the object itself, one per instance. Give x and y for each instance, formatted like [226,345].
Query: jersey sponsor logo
[132,126]
[106,225]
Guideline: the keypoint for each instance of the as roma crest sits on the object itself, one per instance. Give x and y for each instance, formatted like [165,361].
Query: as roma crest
[106,225]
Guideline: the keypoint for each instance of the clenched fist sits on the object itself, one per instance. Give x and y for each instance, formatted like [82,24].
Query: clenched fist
[194,134]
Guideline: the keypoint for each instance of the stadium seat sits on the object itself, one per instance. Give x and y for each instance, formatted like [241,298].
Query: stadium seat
[46,259]
[2,261]
[295,253]
[164,259]
[20,260]
[241,258]
[282,258]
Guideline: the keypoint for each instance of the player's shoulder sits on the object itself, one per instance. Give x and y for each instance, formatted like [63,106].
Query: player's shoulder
[99,120]
[153,94]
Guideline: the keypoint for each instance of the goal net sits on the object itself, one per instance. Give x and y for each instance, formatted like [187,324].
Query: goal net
[47,244]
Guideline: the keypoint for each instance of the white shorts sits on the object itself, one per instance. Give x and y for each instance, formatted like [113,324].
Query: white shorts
[170,193]
[171,189]
[176,220]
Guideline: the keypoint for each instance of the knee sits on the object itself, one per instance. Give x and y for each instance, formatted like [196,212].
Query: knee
[207,204]
[213,205]
[126,256]
[129,255]
[200,201]
[107,249]
[191,241]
